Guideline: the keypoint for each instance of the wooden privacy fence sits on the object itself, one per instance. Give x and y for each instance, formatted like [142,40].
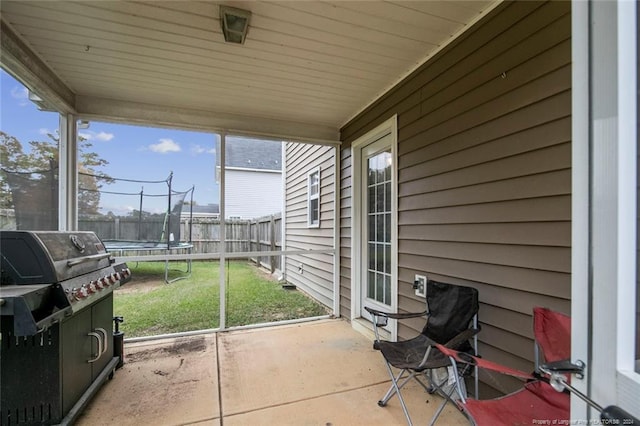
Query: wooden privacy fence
[242,235]
[265,234]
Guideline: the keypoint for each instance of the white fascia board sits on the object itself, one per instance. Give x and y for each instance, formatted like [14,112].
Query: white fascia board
[247,169]
[194,119]
[21,61]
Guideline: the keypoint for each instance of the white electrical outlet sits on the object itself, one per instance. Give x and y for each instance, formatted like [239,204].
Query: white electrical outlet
[420,283]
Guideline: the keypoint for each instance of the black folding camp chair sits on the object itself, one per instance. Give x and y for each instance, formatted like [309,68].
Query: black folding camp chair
[452,320]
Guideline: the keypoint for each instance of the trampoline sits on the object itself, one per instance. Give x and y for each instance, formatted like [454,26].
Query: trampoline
[126,248]
[153,227]
[146,230]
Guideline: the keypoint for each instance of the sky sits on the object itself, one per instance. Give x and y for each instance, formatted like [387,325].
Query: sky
[133,152]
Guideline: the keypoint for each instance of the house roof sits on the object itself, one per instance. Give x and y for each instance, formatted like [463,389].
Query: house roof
[305,69]
[253,154]
[204,209]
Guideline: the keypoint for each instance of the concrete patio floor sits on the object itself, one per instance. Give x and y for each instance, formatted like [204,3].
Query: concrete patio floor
[316,373]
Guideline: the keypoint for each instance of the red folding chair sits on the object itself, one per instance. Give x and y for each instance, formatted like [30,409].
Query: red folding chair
[537,399]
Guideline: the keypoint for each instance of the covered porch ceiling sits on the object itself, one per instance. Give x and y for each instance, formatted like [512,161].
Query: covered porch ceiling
[305,70]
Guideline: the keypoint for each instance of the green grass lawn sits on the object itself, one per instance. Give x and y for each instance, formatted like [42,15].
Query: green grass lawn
[151,307]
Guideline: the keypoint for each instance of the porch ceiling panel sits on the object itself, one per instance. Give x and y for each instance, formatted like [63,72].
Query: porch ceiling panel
[313,63]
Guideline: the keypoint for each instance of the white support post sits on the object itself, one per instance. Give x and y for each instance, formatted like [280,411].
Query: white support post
[68,174]
[580,202]
[223,236]
[628,376]
[604,175]
[336,231]
[283,218]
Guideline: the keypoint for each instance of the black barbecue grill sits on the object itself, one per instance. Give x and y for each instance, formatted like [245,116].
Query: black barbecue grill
[56,307]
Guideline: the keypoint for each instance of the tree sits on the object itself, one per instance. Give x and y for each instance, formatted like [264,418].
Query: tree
[43,156]
[145,214]
[12,157]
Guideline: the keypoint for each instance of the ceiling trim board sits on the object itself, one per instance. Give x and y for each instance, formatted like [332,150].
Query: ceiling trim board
[19,60]
[103,109]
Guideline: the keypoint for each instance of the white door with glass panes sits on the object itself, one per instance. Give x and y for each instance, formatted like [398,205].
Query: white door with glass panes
[377,225]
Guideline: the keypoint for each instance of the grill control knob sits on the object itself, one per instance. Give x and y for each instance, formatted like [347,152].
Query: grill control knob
[111,278]
[105,282]
[97,284]
[126,272]
[117,276]
[91,288]
[80,293]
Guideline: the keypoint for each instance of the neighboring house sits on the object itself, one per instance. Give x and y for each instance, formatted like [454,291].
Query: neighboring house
[253,179]
[309,219]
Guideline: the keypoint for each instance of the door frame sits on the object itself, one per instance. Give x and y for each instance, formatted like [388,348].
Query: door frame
[390,127]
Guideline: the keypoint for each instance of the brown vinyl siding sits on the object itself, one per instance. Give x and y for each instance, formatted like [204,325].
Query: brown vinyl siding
[484,173]
[316,278]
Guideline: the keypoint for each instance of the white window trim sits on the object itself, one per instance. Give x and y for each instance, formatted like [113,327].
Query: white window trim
[313,197]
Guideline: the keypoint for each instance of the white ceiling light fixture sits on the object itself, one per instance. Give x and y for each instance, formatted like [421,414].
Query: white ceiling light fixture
[39,102]
[235,24]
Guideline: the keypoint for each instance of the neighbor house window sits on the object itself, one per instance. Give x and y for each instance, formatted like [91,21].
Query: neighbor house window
[313,203]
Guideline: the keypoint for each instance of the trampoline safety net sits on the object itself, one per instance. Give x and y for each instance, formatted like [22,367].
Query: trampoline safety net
[151,218]
[33,198]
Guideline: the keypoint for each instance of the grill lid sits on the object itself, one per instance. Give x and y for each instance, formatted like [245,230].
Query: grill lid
[46,276]
[46,257]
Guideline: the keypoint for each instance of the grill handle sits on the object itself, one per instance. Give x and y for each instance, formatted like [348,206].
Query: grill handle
[100,352]
[96,257]
[105,341]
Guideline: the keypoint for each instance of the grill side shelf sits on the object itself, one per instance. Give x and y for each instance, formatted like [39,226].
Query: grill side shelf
[33,308]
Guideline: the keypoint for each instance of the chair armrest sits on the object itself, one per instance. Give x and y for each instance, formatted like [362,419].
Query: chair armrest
[380,319]
[614,415]
[462,337]
[564,366]
[482,363]
[392,315]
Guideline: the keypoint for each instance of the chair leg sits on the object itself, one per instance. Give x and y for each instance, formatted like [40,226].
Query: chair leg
[428,388]
[447,395]
[395,389]
[447,398]
[392,389]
